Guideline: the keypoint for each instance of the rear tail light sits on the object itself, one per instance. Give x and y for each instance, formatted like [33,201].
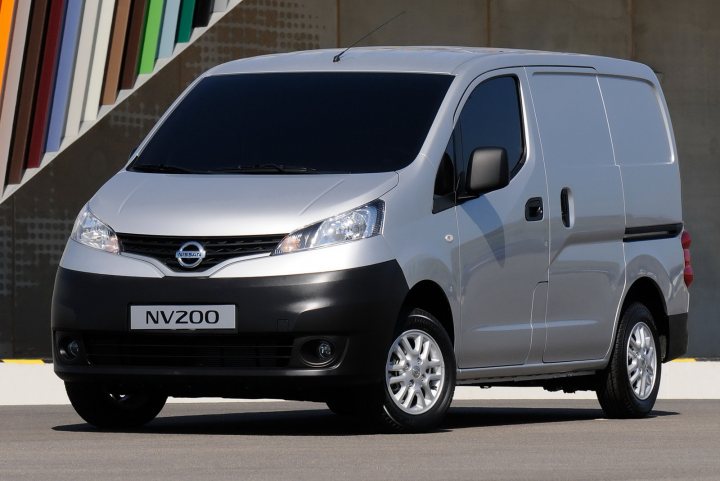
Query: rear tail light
[688,274]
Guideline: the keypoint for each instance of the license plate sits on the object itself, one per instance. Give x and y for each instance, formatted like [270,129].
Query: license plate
[171,318]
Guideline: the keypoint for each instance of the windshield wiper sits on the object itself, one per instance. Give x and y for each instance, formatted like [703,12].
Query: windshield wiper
[264,169]
[161,169]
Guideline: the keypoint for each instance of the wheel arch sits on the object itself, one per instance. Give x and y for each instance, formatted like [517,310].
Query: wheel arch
[429,296]
[647,291]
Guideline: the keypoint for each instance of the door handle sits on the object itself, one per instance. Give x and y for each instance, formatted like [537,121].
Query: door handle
[565,207]
[534,209]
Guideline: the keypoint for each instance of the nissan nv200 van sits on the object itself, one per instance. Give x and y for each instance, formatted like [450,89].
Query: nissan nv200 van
[372,231]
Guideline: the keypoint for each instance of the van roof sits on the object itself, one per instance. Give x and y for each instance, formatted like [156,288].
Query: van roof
[425,59]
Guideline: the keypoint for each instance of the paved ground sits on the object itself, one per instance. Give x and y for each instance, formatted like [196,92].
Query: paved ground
[537,440]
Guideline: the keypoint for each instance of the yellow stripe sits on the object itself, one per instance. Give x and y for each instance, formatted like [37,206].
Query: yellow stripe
[684,359]
[23,361]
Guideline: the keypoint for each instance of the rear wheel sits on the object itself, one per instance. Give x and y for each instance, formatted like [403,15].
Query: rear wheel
[629,385]
[419,374]
[112,410]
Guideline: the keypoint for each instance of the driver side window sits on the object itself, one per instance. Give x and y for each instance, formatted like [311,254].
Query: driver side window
[491,117]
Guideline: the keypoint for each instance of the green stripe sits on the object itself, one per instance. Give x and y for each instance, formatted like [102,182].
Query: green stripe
[185,24]
[148,54]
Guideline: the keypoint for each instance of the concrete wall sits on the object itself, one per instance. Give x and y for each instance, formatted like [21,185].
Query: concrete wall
[680,40]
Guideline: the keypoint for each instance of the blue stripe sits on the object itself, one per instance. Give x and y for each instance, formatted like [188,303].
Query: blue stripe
[63,79]
[169,27]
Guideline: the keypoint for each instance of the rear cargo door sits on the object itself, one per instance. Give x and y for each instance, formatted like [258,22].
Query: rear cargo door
[586,213]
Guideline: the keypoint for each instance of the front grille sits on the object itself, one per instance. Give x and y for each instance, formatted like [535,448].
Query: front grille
[188,350]
[217,249]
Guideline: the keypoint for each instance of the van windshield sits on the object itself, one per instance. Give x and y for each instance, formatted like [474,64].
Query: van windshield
[349,122]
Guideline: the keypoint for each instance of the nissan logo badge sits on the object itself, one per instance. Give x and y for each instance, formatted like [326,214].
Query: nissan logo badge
[190,254]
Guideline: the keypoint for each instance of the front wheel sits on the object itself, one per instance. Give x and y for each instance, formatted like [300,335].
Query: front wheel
[419,374]
[629,385]
[114,410]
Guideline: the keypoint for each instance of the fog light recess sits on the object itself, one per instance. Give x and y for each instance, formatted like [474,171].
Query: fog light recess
[318,352]
[69,349]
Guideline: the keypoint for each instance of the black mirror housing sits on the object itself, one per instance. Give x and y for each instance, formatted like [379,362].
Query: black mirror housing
[487,170]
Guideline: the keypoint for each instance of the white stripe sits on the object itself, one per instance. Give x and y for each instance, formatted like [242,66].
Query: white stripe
[99,59]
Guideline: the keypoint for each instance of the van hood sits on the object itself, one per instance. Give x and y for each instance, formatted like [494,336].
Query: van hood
[230,205]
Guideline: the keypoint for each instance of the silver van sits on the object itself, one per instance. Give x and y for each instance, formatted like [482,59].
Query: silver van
[372,230]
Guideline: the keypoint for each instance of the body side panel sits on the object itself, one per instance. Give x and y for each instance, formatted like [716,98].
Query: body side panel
[644,149]
[662,261]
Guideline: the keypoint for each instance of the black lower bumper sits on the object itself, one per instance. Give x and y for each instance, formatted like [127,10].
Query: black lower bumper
[279,321]
[677,336]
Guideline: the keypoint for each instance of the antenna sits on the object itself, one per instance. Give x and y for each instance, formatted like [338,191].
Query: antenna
[336,58]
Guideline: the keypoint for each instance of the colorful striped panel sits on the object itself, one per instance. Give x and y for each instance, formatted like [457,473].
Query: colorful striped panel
[12,84]
[60,58]
[64,78]
[203,10]
[117,49]
[28,89]
[169,28]
[7,11]
[86,44]
[151,36]
[43,99]
[185,25]
[132,45]
[99,60]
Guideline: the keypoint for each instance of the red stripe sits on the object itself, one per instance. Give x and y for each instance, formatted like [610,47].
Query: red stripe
[47,83]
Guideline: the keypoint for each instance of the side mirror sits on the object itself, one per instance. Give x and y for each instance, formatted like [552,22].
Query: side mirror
[487,171]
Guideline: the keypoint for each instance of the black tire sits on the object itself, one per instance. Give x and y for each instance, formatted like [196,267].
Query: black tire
[109,410]
[394,418]
[615,391]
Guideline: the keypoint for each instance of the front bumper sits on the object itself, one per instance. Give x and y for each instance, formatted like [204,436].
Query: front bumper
[355,309]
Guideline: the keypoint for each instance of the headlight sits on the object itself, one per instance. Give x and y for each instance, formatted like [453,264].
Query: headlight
[92,232]
[360,223]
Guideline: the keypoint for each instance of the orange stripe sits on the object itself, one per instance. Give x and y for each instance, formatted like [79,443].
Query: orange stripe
[7,9]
